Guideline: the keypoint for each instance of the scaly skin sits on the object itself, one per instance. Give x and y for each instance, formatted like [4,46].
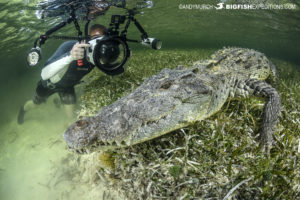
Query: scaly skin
[173,99]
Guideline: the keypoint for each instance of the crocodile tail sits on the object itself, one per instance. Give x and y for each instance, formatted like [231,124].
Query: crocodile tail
[271,110]
[272,79]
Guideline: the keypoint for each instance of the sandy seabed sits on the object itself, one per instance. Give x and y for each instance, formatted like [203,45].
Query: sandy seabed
[36,164]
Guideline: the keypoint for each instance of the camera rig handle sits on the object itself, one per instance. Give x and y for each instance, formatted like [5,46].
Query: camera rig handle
[138,25]
[116,20]
[42,39]
[34,54]
[147,41]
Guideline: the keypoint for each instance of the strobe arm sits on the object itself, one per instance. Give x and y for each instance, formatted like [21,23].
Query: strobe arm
[150,42]
[136,23]
[139,26]
[44,37]
[34,55]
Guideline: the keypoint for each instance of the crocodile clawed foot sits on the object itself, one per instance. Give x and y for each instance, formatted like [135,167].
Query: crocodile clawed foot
[265,148]
[267,142]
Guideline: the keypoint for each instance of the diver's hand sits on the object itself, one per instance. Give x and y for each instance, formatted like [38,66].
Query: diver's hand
[77,51]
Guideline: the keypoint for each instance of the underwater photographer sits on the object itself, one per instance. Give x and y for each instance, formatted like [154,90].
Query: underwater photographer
[105,48]
[63,70]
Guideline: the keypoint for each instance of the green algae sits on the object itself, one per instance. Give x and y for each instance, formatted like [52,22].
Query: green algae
[107,160]
[212,159]
[175,171]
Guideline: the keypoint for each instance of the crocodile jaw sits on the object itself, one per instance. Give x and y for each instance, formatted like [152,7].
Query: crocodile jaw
[174,121]
[78,136]
[82,138]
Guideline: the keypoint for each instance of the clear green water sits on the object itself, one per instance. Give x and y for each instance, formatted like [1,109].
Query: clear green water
[32,155]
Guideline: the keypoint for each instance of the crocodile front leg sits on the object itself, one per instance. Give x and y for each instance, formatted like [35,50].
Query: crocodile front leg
[271,110]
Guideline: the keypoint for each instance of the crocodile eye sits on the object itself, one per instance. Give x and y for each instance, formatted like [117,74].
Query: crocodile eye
[195,71]
[166,85]
[81,123]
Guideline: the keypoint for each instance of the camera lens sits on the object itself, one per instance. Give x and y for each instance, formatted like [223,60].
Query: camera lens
[109,52]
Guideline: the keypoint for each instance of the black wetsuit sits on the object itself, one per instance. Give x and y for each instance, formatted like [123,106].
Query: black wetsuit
[65,86]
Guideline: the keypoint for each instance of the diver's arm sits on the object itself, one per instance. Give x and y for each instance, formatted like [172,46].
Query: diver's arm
[61,54]
[55,67]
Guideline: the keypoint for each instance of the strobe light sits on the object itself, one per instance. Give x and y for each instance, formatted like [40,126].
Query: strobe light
[152,42]
[33,57]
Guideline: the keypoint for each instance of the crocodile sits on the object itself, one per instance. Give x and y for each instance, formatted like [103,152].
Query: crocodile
[176,98]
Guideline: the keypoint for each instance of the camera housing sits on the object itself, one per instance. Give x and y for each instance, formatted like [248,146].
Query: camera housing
[108,53]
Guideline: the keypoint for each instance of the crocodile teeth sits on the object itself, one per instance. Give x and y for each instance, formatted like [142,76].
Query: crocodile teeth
[105,143]
[118,143]
[114,143]
[128,143]
[80,151]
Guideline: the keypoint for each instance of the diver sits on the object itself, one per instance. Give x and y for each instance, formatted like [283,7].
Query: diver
[107,49]
[62,71]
